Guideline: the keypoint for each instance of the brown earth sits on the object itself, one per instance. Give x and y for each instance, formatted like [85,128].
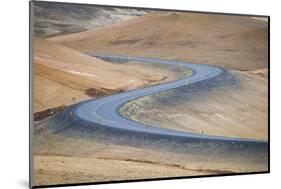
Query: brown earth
[232,42]
[65,160]
[64,76]
[239,112]
[235,112]
[261,72]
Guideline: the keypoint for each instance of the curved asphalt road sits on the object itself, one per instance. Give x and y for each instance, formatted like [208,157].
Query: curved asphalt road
[103,113]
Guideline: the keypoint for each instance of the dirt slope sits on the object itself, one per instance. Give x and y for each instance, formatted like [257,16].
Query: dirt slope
[61,159]
[62,73]
[233,42]
[65,76]
[238,112]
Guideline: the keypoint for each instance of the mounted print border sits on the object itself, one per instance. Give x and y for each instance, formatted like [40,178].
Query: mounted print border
[128,94]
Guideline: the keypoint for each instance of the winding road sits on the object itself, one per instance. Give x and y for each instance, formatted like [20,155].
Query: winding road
[99,121]
[104,112]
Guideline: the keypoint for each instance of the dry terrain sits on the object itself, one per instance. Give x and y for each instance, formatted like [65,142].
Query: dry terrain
[239,112]
[52,19]
[64,76]
[61,159]
[232,42]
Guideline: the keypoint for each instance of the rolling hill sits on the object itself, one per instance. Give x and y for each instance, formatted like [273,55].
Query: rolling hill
[232,42]
[65,76]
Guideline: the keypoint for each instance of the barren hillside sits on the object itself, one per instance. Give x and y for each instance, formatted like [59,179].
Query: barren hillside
[64,76]
[56,18]
[233,42]
[238,111]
